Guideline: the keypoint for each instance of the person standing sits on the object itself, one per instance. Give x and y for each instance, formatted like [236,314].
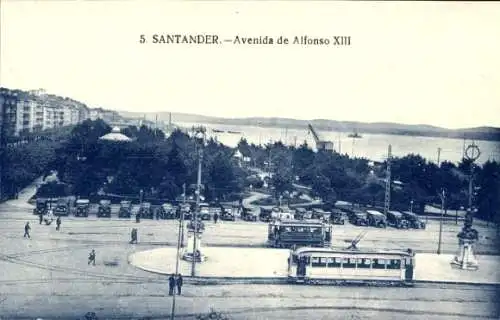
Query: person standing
[92,257]
[216,217]
[58,223]
[171,285]
[40,217]
[178,283]
[27,229]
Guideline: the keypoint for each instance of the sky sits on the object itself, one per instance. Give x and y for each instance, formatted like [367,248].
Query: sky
[413,63]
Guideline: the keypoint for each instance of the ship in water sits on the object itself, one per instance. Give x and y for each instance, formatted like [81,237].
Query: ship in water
[217,131]
[234,132]
[355,135]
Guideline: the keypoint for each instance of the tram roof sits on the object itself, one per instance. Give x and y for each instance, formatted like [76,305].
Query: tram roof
[300,222]
[304,250]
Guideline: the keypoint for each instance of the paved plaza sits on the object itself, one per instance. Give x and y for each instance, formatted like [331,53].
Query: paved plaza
[47,276]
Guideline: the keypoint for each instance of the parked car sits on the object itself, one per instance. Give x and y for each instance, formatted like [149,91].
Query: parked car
[376,219]
[414,221]
[227,213]
[41,206]
[337,216]
[62,207]
[204,212]
[104,209]
[397,220]
[125,210]
[249,214]
[146,211]
[166,211]
[82,208]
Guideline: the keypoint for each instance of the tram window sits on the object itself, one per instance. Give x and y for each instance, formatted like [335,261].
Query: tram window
[394,264]
[318,262]
[378,263]
[349,263]
[334,262]
[364,263]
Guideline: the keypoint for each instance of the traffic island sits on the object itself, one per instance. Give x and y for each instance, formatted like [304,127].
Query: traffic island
[261,265]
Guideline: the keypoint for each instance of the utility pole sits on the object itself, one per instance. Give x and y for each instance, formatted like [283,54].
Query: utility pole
[172,316]
[442,195]
[387,202]
[439,155]
[198,191]
[182,214]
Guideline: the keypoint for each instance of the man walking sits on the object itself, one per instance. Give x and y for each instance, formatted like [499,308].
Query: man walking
[216,217]
[40,217]
[92,257]
[27,229]
[171,285]
[58,223]
[178,282]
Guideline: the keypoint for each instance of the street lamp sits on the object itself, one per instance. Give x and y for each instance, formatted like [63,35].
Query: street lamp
[179,240]
[200,139]
[442,195]
[411,206]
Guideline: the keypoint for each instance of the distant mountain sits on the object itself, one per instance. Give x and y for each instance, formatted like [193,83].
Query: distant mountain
[479,133]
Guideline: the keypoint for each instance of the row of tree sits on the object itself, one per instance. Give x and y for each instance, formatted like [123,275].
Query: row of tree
[158,166]
[416,181]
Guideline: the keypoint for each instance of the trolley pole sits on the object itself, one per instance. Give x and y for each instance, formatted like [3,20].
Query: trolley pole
[443,197]
[198,187]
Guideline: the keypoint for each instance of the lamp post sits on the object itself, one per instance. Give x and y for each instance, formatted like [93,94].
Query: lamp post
[442,195]
[411,206]
[468,236]
[200,136]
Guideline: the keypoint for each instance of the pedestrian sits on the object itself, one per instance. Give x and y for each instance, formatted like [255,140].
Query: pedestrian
[58,223]
[92,257]
[40,217]
[178,282]
[27,229]
[216,217]
[171,285]
[138,217]
[133,236]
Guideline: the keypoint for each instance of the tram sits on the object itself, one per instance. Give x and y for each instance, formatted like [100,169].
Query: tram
[289,233]
[350,265]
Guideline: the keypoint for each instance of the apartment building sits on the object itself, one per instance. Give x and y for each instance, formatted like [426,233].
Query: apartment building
[35,110]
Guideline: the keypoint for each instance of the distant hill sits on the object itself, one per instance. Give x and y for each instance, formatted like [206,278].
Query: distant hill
[479,133]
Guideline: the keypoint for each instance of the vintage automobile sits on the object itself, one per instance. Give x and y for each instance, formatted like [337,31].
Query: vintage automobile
[41,206]
[413,220]
[227,213]
[82,208]
[358,217]
[266,214]
[125,210]
[204,212]
[104,209]
[337,217]
[249,214]
[62,207]
[397,220]
[166,211]
[146,211]
[376,219]
[320,214]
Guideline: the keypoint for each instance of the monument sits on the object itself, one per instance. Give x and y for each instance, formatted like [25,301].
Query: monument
[187,254]
[467,237]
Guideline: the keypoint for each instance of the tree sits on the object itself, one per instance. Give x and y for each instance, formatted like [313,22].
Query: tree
[488,195]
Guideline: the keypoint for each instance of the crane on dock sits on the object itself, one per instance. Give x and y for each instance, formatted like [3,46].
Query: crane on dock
[320,144]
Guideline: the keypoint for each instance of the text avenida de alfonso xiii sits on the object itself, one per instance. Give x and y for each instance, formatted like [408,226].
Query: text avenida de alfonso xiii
[213,39]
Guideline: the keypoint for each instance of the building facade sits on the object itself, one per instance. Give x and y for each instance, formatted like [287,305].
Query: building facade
[34,111]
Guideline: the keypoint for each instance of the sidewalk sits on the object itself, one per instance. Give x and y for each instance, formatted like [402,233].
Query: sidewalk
[272,263]
[24,196]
